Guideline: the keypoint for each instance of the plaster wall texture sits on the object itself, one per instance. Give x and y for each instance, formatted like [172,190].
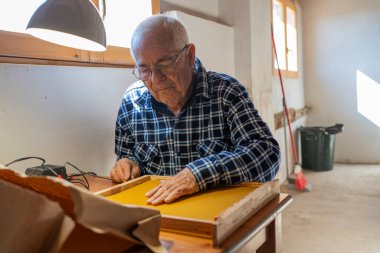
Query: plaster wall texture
[341,67]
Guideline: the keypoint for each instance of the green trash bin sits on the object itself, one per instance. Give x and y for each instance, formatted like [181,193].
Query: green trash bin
[318,146]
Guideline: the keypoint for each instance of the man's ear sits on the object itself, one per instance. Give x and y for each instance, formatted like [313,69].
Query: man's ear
[191,52]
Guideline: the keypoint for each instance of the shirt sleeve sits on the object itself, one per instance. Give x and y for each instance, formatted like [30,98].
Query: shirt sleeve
[255,154]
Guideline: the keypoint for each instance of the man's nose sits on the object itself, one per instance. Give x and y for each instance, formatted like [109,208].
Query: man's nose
[157,75]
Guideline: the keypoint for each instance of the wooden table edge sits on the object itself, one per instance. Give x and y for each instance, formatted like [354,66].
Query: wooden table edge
[278,204]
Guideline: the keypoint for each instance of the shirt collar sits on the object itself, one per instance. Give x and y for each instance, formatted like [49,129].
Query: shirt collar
[200,81]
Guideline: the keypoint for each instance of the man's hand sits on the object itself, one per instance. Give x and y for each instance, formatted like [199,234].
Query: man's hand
[183,183]
[124,169]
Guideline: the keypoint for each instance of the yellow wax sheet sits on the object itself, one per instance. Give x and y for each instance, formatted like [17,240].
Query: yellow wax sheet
[205,205]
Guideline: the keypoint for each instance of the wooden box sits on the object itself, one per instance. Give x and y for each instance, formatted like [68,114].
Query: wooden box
[213,214]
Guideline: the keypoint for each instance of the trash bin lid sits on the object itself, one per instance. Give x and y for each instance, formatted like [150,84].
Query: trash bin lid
[337,128]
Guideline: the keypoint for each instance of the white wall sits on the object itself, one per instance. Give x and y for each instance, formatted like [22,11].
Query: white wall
[251,22]
[201,8]
[214,42]
[340,38]
[60,114]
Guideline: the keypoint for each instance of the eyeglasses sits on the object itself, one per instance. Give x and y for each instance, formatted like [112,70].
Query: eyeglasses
[165,67]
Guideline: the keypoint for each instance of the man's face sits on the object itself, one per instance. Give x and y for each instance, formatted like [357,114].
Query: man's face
[172,88]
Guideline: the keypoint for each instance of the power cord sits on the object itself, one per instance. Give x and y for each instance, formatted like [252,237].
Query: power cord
[25,158]
[77,180]
[31,172]
[70,177]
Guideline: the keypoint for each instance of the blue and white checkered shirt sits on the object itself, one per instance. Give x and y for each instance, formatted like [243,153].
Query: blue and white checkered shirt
[219,135]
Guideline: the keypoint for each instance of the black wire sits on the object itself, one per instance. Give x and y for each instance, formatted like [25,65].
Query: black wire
[24,158]
[84,182]
[93,174]
[81,182]
[81,173]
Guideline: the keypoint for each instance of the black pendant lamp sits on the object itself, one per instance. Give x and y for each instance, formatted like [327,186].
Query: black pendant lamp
[71,23]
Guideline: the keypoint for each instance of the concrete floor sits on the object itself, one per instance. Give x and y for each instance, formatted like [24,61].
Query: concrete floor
[340,214]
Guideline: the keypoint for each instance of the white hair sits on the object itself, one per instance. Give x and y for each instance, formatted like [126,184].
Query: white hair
[160,29]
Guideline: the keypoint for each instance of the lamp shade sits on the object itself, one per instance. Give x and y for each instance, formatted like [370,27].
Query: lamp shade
[72,23]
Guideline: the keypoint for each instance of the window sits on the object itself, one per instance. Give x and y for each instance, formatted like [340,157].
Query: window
[120,20]
[284,20]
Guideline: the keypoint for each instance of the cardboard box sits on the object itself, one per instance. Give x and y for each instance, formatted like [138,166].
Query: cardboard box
[46,214]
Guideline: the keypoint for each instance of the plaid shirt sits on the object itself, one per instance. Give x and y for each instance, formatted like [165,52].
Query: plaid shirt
[219,135]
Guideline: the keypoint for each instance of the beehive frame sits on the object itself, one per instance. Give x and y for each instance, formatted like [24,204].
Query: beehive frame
[223,224]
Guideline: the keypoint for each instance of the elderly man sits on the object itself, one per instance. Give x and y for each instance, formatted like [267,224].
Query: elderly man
[180,120]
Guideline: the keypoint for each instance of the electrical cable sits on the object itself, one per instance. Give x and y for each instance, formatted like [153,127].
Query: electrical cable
[82,173]
[79,181]
[95,175]
[25,158]
[70,178]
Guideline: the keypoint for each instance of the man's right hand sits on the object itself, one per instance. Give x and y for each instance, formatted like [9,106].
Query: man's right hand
[124,169]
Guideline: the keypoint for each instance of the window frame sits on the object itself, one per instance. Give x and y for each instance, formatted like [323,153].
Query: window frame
[20,48]
[286,72]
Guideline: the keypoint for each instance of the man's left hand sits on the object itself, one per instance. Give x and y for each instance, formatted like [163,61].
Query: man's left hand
[183,183]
